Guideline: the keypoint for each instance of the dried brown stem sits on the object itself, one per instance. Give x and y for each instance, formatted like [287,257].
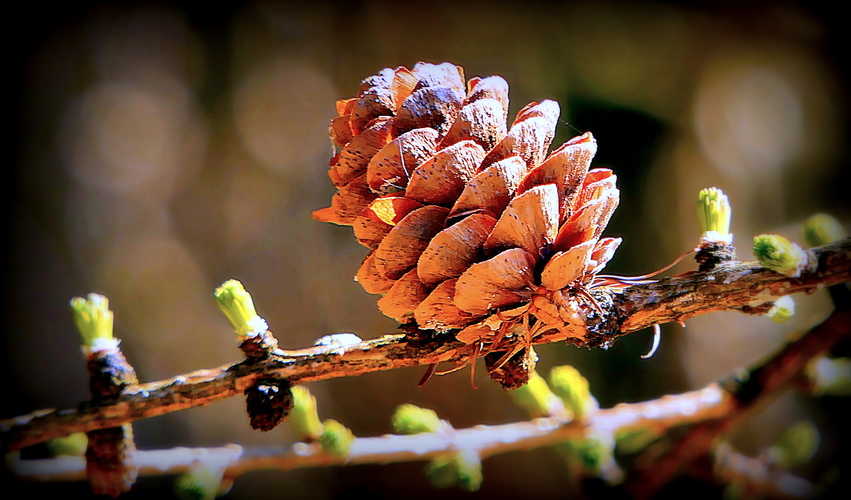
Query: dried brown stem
[738,286]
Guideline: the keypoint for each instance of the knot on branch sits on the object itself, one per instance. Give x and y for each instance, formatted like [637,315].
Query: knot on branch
[109,373]
[712,253]
[259,346]
[603,312]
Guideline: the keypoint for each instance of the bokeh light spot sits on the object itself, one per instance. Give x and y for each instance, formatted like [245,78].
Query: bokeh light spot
[282,112]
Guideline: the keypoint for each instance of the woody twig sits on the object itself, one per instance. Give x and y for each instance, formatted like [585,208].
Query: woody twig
[747,287]
[711,409]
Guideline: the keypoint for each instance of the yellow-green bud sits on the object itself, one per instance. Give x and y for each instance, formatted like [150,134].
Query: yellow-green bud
[796,445]
[304,419]
[441,471]
[593,453]
[469,470]
[830,376]
[201,482]
[73,445]
[93,318]
[782,310]
[462,468]
[714,214]
[535,397]
[336,438]
[779,254]
[821,229]
[237,305]
[411,419]
[572,388]
[630,441]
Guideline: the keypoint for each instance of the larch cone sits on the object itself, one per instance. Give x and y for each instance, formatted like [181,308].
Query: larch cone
[472,227]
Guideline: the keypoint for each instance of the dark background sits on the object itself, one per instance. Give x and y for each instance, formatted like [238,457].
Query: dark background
[157,150]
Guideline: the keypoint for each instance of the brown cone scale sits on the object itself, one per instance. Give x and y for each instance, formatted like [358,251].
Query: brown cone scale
[469,221]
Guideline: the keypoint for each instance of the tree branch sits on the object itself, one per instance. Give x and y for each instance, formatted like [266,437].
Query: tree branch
[751,392]
[712,409]
[760,479]
[486,440]
[746,287]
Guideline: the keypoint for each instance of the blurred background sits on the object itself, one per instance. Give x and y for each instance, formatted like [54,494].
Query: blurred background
[162,148]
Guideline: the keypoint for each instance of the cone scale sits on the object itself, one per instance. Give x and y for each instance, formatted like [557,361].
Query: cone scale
[472,225]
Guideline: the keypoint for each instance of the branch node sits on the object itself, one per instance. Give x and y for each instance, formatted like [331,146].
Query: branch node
[259,346]
[712,253]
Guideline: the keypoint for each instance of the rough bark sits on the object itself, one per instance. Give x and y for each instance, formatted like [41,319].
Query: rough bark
[746,287]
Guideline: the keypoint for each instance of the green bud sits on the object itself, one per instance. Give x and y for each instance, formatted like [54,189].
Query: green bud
[469,470]
[593,453]
[93,318]
[572,388]
[779,254]
[237,305]
[336,438]
[304,419]
[830,376]
[72,445]
[411,419]
[631,441]
[796,445]
[714,212]
[462,468]
[200,482]
[535,397]
[441,471]
[821,229]
[782,310]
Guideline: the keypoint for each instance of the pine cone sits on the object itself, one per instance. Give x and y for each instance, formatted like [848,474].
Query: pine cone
[471,226]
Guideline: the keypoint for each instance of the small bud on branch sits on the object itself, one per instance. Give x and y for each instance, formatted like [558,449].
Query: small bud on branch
[714,214]
[821,229]
[779,254]
[93,319]
[238,306]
